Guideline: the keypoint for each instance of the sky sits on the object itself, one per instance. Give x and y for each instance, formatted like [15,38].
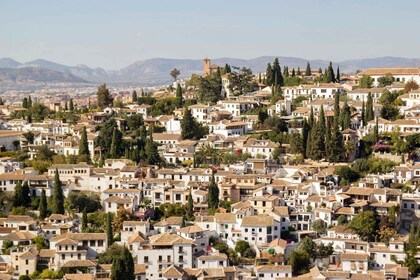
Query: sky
[114,34]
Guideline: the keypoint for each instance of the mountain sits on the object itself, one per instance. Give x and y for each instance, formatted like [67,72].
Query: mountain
[155,71]
[8,63]
[82,71]
[36,74]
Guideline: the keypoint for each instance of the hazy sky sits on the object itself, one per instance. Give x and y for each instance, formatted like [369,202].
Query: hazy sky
[114,34]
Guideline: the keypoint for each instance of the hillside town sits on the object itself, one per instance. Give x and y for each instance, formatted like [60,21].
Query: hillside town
[227,175]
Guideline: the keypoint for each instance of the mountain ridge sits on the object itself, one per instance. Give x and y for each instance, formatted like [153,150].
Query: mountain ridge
[155,71]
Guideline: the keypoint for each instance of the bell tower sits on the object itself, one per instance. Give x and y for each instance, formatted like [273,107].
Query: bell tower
[207,63]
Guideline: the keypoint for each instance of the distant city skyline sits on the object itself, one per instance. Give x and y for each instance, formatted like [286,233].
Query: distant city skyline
[113,35]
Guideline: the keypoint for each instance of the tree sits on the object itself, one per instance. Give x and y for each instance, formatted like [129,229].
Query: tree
[129,264]
[190,128]
[29,102]
[111,253]
[342,220]
[40,242]
[296,145]
[71,106]
[84,220]
[104,97]
[369,108]
[25,103]
[330,78]
[114,149]
[18,195]
[366,81]
[308,71]
[209,88]
[213,194]
[241,81]
[83,144]
[277,76]
[43,206]
[118,271]
[337,78]
[364,224]
[319,226]
[152,153]
[410,85]
[175,73]
[269,75]
[82,200]
[109,233]
[241,246]
[386,80]
[345,116]
[57,206]
[134,96]
[190,207]
[179,99]
[300,262]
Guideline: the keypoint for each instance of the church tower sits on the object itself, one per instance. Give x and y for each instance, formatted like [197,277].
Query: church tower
[207,63]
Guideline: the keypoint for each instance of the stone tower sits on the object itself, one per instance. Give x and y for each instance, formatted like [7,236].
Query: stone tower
[207,66]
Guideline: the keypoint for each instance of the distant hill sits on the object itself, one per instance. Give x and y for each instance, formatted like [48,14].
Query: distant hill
[155,71]
[36,74]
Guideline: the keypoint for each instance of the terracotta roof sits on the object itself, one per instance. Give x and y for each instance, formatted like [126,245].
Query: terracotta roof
[354,257]
[393,71]
[257,221]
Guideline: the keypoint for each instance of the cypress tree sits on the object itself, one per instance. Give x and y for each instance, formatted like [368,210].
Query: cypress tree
[293,72]
[298,71]
[109,232]
[58,197]
[134,96]
[325,76]
[308,71]
[305,137]
[179,100]
[311,118]
[320,70]
[269,75]
[259,78]
[84,220]
[336,107]
[66,106]
[129,264]
[151,151]
[308,150]
[18,196]
[83,145]
[277,76]
[318,142]
[330,74]
[26,197]
[25,103]
[338,77]
[29,102]
[335,144]
[71,106]
[345,116]
[43,207]
[363,117]
[213,200]
[227,68]
[321,119]
[376,131]
[118,271]
[190,207]
[113,150]
[369,108]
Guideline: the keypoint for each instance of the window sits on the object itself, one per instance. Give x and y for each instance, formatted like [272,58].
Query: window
[146,259]
[26,261]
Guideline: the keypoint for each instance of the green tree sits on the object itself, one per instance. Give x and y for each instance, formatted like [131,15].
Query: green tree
[109,232]
[277,76]
[269,75]
[330,77]
[190,207]
[319,226]
[175,73]
[40,242]
[410,85]
[337,77]
[114,145]
[84,220]
[152,153]
[308,71]
[104,97]
[83,145]
[366,81]
[43,206]
[29,102]
[386,80]
[71,106]
[300,262]
[129,265]
[209,89]
[296,145]
[57,206]
[241,246]
[213,194]
[25,103]
[364,224]
[18,195]
[345,116]
[179,99]
[369,108]
[134,96]
[241,81]
[190,128]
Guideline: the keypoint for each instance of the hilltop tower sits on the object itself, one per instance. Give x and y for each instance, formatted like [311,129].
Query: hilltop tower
[207,66]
